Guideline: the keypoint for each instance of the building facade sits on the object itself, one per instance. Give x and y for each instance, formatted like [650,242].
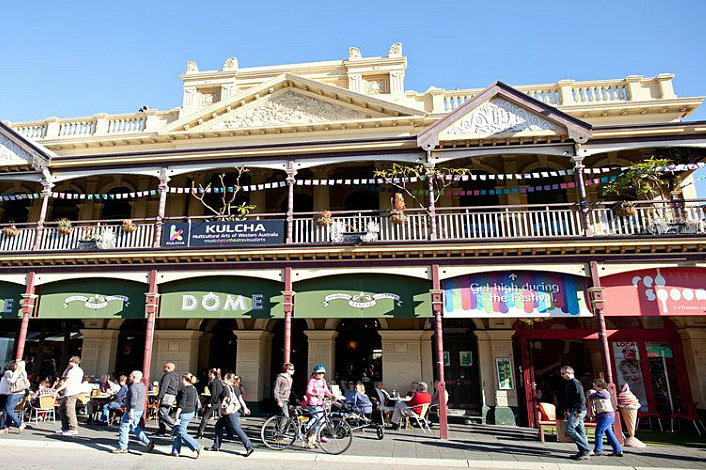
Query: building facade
[507,254]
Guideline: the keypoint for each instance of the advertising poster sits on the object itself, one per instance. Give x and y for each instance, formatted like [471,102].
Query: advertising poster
[629,371]
[503,366]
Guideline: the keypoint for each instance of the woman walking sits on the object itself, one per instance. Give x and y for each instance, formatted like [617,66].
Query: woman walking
[18,384]
[186,410]
[216,389]
[232,406]
[605,417]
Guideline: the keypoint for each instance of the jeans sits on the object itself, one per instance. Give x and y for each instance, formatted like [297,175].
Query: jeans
[605,425]
[232,424]
[284,409]
[127,425]
[67,410]
[577,431]
[180,433]
[207,415]
[317,416]
[10,404]
[105,410]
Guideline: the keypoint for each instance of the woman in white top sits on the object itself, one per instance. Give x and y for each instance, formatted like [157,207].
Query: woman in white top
[17,387]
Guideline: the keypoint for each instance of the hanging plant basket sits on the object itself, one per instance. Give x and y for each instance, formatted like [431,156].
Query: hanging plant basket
[64,227]
[323,218]
[397,216]
[624,209]
[10,231]
[129,226]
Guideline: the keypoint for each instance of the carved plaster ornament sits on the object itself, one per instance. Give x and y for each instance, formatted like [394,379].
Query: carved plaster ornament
[354,53]
[208,99]
[499,116]
[231,63]
[191,67]
[376,87]
[290,108]
[395,50]
[13,154]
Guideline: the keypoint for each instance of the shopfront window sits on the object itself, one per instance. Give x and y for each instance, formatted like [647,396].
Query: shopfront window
[663,374]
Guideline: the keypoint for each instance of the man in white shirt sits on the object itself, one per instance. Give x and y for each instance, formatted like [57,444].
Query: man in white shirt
[72,388]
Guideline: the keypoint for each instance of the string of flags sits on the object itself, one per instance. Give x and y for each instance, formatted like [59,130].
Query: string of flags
[374,184]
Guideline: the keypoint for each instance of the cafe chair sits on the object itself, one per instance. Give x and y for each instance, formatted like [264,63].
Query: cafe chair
[420,418]
[649,415]
[44,407]
[82,404]
[116,414]
[547,420]
[690,414]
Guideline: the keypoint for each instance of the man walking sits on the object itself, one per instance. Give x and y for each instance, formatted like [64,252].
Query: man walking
[72,388]
[168,388]
[134,408]
[575,410]
[283,388]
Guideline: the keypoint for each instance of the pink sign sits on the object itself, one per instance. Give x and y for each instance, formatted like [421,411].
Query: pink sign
[656,292]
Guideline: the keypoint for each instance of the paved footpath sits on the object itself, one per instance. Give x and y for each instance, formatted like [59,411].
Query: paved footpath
[478,447]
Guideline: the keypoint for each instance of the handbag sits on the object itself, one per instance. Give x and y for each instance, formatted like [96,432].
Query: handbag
[230,404]
[20,385]
[168,399]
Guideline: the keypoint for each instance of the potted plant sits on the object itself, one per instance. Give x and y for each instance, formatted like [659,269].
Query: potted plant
[397,215]
[624,208]
[11,230]
[65,226]
[129,226]
[323,218]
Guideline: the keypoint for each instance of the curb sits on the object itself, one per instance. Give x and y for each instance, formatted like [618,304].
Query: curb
[289,457]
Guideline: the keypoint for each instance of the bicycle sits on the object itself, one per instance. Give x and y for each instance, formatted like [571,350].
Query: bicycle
[359,421]
[333,437]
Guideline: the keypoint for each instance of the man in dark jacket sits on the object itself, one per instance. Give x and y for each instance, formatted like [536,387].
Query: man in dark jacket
[134,408]
[575,410]
[217,391]
[168,389]
[283,388]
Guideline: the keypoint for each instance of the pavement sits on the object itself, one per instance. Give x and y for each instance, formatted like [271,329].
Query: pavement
[470,446]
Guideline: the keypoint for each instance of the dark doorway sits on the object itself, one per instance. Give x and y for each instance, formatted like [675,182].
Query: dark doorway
[224,346]
[15,211]
[461,369]
[362,201]
[359,351]
[64,208]
[131,347]
[116,209]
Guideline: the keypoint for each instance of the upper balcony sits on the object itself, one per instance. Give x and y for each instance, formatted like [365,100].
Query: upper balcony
[646,220]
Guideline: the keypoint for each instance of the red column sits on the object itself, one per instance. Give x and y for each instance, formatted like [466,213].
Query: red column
[597,303]
[528,379]
[151,308]
[288,297]
[437,302]
[28,299]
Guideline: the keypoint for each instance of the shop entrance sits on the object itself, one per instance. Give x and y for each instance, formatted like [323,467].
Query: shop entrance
[358,351]
[461,369]
[299,355]
[224,345]
[50,344]
[131,347]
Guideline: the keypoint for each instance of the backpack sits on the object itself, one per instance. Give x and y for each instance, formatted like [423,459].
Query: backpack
[230,403]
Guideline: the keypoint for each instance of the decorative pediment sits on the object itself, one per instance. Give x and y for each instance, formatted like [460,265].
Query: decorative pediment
[500,111]
[289,100]
[17,152]
[12,154]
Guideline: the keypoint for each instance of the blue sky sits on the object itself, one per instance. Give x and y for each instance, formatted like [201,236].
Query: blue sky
[79,58]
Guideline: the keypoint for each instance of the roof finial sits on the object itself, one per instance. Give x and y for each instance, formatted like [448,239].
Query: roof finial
[354,53]
[191,67]
[395,50]
[231,63]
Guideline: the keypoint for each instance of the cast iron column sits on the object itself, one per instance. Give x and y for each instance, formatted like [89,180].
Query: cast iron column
[437,301]
[583,199]
[28,299]
[163,189]
[291,173]
[288,298]
[151,308]
[432,203]
[47,186]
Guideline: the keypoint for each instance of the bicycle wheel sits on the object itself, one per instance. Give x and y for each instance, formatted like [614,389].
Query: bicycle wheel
[334,436]
[278,432]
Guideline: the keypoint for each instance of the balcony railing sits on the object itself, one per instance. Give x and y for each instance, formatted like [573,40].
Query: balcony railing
[497,223]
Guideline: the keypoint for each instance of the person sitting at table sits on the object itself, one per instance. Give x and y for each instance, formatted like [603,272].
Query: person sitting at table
[412,405]
[118,400]
[412,390]
[383,401]
[359,401]
[104,390]
[350,390]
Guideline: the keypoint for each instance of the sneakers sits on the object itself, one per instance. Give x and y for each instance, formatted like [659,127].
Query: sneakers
[150,446]
[119,451]
[617,454]
[581,456]
[198,452]
[249,452]
[212,449]
[4,431]
[22,427]
[70,432]
[174,454]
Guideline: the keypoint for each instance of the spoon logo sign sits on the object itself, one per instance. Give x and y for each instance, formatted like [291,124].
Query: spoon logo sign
[661,291]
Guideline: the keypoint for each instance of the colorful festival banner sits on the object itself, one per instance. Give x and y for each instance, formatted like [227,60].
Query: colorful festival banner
[515,294]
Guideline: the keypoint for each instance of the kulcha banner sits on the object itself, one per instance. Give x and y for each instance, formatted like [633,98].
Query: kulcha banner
[363,296]
[222,297]
[92,298]
[515,294]
[223,233]
[10,300]
[655,292]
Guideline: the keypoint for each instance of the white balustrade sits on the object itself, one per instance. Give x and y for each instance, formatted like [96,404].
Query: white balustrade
[592,93]
[129,124]
[142,237]
[32,130]
[77,128]
[414,228]
[22,242]
[548,95]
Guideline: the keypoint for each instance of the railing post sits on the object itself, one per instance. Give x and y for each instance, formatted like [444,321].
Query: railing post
[47,186]
[28,300]
[291,173]
[163,190]
[432,202]
[583,200]
[437,301]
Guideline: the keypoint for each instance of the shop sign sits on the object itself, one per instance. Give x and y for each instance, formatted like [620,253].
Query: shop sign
[223,233]
[92,298]
[221,297]
[512,294]
[656,292]
[362,296]
[10,300]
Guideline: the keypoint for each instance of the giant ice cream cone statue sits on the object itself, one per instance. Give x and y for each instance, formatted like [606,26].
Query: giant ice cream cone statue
[628,404]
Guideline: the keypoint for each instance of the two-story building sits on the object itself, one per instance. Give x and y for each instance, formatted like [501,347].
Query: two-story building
[111,247]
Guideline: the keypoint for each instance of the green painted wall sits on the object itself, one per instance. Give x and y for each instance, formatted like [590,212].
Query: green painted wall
[10,300]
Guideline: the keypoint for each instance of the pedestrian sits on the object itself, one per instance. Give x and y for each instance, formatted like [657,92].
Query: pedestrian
[168,389]
[134,409]
[605,417]
[117,402]
[71,387]
[316,390]
[215,388]
[187,405]
[283,388]
[18,384]
[575,412]
[232,407]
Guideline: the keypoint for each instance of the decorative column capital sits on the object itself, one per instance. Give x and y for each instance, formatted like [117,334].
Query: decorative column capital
[152,303]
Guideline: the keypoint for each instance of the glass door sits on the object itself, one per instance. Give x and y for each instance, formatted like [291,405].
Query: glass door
[663,375]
